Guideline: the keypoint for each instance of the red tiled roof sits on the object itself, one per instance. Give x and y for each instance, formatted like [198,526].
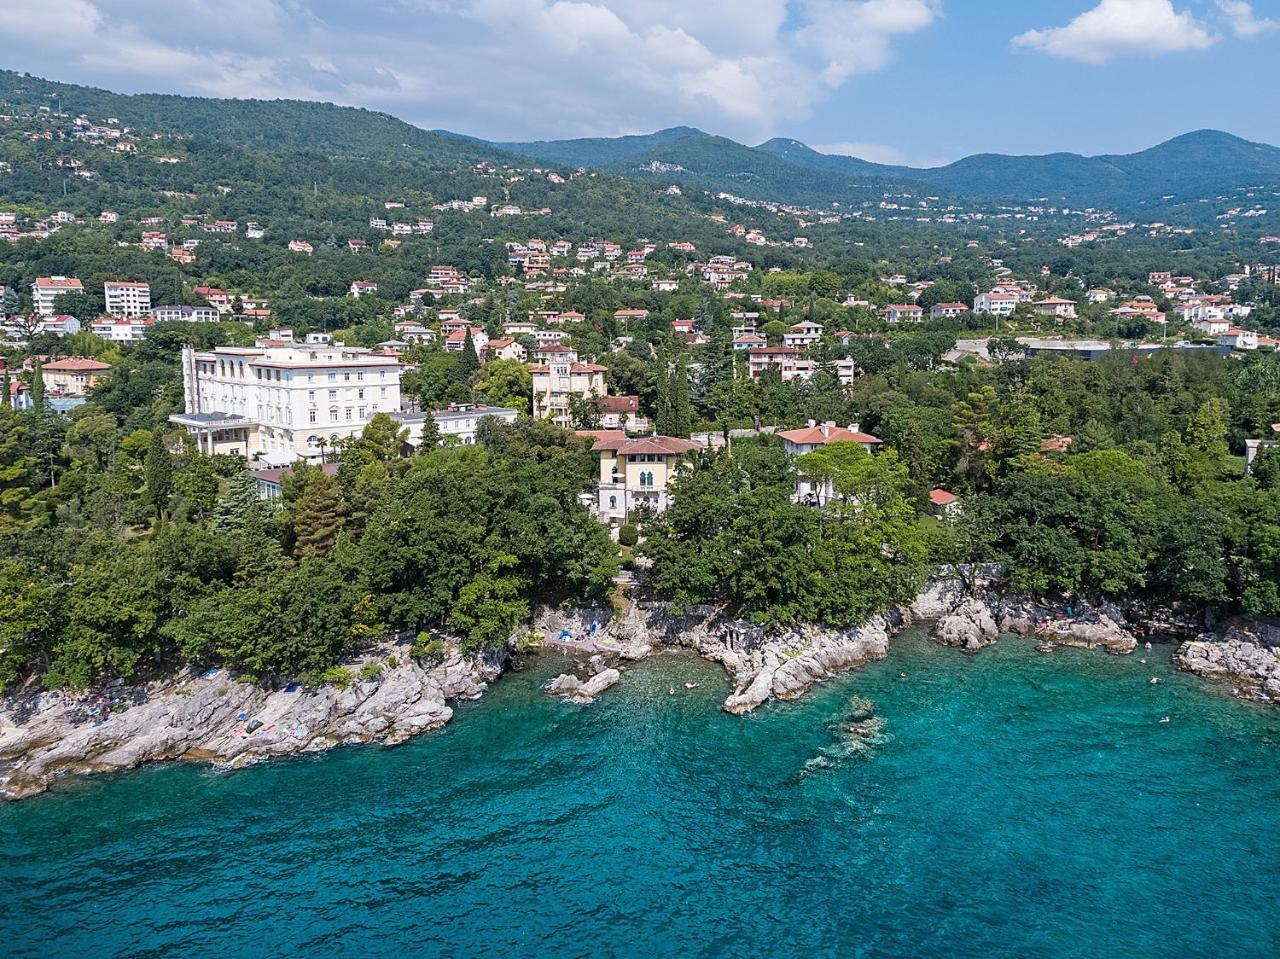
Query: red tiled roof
[941,497]
[616,440]
[76,364]
[620,404]
[820,436]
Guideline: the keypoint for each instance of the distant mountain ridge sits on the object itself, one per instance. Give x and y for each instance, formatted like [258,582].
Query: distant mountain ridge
[1201,163]
[1204,163]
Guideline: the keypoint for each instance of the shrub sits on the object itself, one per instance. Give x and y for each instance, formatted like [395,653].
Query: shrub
[628,535]
[370,670]
[427,646]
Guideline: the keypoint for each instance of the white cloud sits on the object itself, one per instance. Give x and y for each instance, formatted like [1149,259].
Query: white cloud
[878,153]
[1121,28]
[499,68]
[1243,21]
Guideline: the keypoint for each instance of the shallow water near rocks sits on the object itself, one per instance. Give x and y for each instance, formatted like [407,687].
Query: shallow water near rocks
[1008,804]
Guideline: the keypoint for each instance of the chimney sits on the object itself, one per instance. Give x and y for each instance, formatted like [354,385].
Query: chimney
[812,424]
[855,427]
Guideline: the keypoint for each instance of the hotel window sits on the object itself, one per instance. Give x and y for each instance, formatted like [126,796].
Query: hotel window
[348,412]
[333,395]
[384,392]
[360,394]
[362,409]
[346,376]
[311,396]
[360,376]
[333,414]
[333,377]
[312,416]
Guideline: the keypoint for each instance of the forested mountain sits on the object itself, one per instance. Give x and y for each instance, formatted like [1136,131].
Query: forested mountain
[1205,163]
[277,125]
[1202,164]
[601,151]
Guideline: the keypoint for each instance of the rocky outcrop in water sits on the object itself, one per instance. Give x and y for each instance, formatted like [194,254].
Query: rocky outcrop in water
[1246,653]
[212,717]
[576,690]
[969,626]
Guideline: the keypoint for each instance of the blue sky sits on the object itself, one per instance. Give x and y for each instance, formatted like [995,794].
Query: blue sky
[918,81]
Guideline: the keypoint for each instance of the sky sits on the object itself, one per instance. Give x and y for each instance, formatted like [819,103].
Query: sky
[898,81]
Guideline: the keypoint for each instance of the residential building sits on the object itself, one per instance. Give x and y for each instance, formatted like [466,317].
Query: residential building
[803,335]
[554,384]
[816,436]
[622,413]
[122,329]
[1238,339]
[908,313]
[996,304]
[940,311]
[127,299]
[184,314]
[505,348]
[73,375]
[635,473]
[46,290]
[269,481]
[1056,307]
[361,287]
[458,424]
[280,401]
[944,503]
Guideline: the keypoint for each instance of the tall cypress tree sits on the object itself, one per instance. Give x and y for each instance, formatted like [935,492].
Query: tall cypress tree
[681,405]
[468,361]
[157,472]
[6,399]
[662,411]
[37,388]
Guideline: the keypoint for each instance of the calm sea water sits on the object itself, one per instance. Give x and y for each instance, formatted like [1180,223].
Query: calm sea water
[1013,805]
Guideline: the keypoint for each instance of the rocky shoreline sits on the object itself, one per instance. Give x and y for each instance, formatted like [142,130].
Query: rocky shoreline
[1245,653]
[212,717]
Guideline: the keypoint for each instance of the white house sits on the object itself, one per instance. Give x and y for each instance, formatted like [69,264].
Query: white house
[941,311]
[121,329]
[185,314]
[459,423]
[816,436]
[46,290]
[283,401]
[803,335]
[903,314]
[554,384]
[995,304]
[127,299]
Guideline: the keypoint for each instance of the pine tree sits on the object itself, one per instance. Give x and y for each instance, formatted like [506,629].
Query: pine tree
[241,499]
[6,399]
[317,517]
[157,471]
[430,433]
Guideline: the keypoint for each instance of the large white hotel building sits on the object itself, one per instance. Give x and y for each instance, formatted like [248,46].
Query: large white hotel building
[278,402]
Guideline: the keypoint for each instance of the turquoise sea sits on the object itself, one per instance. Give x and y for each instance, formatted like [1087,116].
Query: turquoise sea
[1014,805]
